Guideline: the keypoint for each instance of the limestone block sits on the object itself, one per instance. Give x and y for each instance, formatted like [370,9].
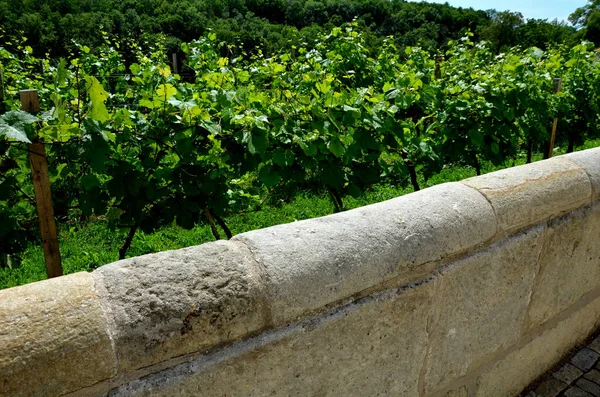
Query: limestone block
[461,392]
[589,160]
[372,347]
[313,263]
[53,338]
[526,195]
[569,264]
[480,307]
[176,302]
[511,375]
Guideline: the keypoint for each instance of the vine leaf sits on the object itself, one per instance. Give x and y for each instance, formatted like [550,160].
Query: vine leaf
[97,96]
[13,134]
[165,92]
[12,125]
[257,141]
[336,147]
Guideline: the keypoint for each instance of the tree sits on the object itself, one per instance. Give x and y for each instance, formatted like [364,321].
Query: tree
[588,18]
[540,33]
[502,32]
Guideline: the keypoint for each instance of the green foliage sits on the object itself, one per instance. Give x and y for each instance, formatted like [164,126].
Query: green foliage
[271,25]
[140,147]
[13,123]
[588,18]
[84,247]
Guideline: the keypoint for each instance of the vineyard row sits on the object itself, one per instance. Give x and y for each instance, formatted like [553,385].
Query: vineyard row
[127,139]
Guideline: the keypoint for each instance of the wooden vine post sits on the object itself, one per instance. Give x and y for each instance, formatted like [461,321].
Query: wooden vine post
[2,107]
[557,88]
[43,197]
[175,66]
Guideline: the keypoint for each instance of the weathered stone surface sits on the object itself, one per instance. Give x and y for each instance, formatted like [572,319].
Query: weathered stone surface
[53,338]
[585,359]
[526,195]
[512,374]
[589,160]
[176,302]
[532,394]
[316,262]
[373,347]
[593,375]
[215,300]
[576,392]
[460,392]
[595,345]
[567,373]
[588,386]
[551,388]
[480,307]
[570,264]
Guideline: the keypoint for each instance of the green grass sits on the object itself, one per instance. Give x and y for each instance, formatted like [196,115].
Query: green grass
[85,247]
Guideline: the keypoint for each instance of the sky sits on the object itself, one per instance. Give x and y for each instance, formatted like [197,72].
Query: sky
[539,9]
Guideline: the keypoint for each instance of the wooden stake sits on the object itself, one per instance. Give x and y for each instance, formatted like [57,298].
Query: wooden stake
[43,195]
[438,68]
[30,101]
[557,89]
[1,86]
[2,94]
[175,69]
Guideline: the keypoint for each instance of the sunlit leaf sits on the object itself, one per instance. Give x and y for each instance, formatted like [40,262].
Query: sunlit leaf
[97,96]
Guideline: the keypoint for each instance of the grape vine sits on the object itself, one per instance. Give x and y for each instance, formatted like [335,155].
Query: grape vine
[144,147]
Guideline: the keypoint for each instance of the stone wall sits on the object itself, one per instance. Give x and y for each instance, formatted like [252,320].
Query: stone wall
[464,289]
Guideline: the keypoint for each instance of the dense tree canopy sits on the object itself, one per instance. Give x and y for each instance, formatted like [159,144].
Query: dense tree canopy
[588,18]
[51,26]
